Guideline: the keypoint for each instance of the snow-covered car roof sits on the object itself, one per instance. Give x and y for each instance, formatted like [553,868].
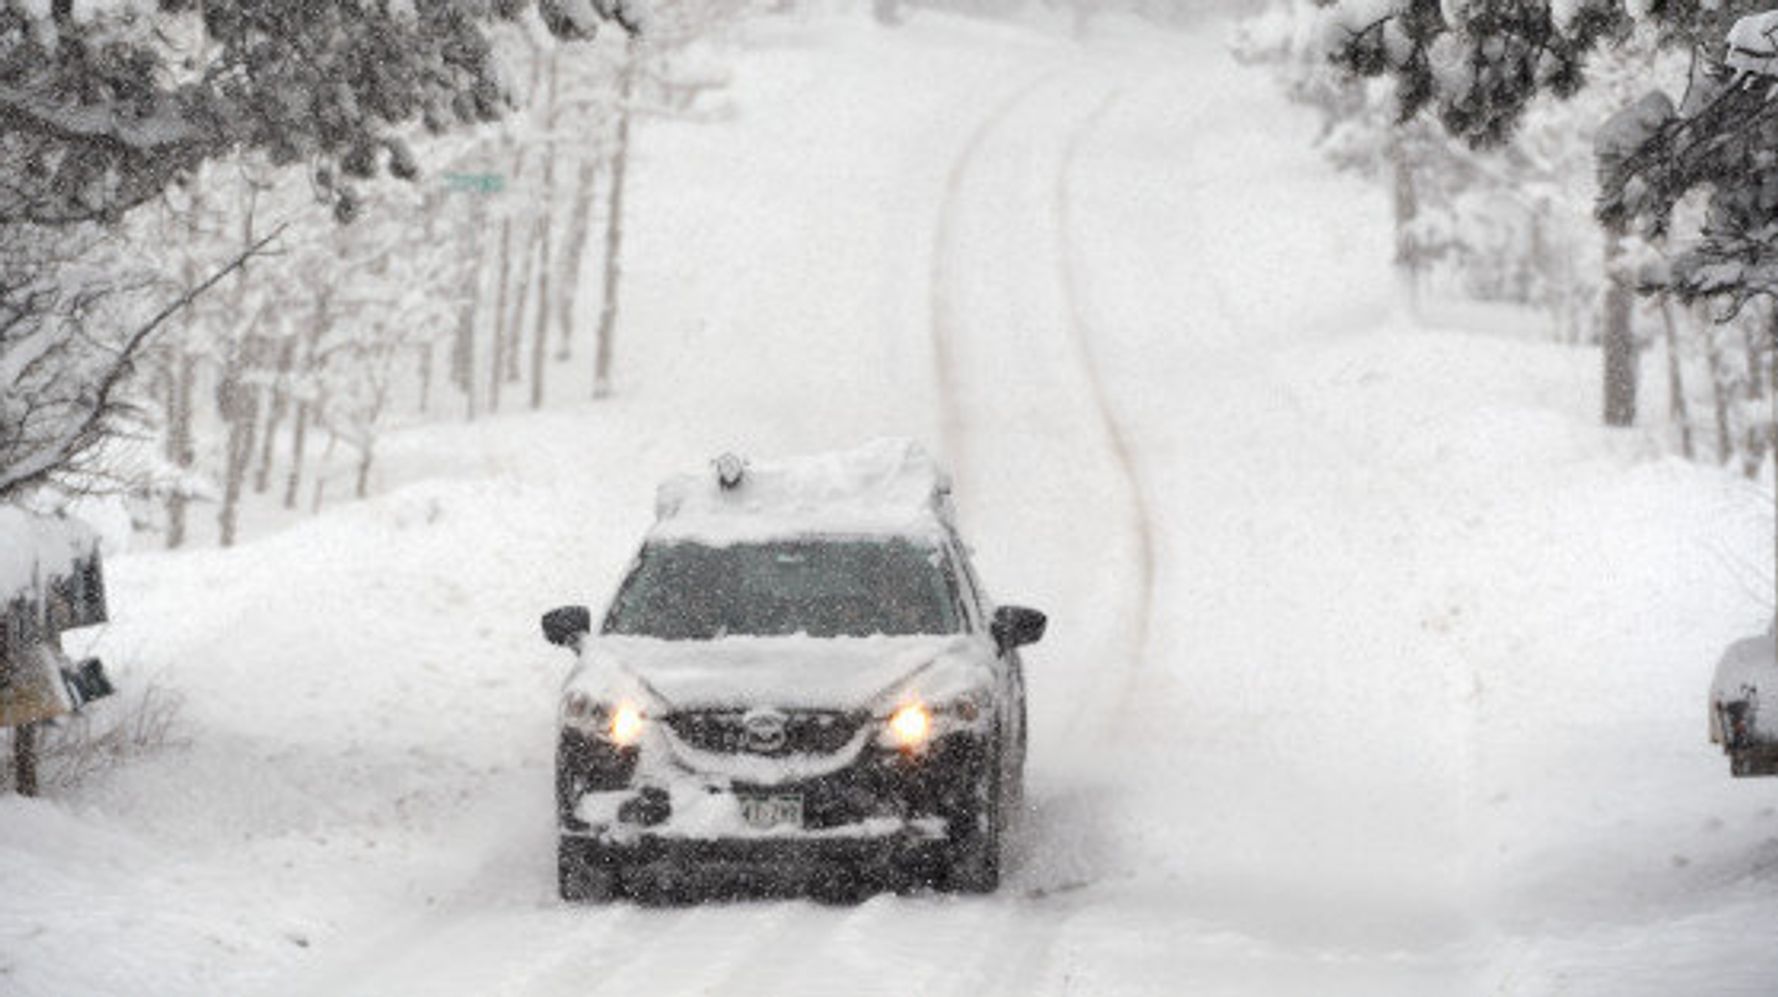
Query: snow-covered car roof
[889,487]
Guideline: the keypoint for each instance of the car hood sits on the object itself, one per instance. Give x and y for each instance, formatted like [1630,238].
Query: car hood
[794,672]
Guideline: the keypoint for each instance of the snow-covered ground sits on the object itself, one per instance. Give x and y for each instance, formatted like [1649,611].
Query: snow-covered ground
[1375,667]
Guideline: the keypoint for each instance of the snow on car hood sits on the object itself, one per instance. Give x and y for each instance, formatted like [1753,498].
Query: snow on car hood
[793,672]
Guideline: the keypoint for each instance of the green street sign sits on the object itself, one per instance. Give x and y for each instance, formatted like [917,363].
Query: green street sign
[476,183]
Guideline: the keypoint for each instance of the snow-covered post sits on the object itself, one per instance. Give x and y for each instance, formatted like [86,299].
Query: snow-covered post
[481,186]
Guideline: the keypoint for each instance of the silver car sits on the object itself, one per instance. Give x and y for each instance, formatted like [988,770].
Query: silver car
[1744,704]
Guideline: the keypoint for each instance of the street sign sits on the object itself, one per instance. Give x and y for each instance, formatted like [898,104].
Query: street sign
[476,183]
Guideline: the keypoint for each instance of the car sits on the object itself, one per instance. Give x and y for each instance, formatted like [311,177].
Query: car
[1744,704]
[799,677]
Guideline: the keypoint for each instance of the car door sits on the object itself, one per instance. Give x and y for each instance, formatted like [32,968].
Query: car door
[1009,692]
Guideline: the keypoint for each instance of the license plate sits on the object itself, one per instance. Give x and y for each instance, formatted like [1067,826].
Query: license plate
[761,812]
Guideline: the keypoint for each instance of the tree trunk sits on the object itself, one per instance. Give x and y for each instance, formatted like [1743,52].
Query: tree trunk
[515,333]
[262,477]
[180,452]
[425,348]
[241,430]
[497,349]
[179,445]
[614,226]
[574,253]
[1676,406]
[237,401]
[307,410]
[1719,395]
[1753,450]
[1619,342]
[545,309]
[24,759]
[361,487]
[463,343]
[505,362]
[299,438]
[1409,260]
[321,472]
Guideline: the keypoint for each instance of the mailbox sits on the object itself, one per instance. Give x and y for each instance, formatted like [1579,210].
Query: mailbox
[52,581]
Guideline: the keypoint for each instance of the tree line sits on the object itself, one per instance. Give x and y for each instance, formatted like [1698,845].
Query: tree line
[1528,161]
[234,237]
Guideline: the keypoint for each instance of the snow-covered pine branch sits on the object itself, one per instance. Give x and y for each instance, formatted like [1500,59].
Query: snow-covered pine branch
[113,103]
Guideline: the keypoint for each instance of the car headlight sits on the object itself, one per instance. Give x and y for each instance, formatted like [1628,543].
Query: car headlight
[625,725]
[915,724]
[621,724]
[911,726]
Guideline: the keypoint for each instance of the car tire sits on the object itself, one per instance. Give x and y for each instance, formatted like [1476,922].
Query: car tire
[973,865]
[584,873]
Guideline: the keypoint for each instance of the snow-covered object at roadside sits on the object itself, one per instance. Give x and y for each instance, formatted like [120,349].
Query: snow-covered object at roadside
[1748,672]
[890,486]
[36,548]
[1753,45]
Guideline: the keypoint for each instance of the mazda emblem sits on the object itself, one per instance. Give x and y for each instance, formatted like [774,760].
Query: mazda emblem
[763,731]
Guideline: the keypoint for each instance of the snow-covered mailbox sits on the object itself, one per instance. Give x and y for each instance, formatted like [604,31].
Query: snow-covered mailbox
[50,581]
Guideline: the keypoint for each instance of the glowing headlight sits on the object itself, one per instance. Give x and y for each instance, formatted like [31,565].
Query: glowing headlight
[626,725]
[621,724]
[911,725]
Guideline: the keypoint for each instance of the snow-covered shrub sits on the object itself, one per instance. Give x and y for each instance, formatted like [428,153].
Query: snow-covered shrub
[137,722]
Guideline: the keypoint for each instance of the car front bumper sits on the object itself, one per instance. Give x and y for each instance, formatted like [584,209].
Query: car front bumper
[884,808]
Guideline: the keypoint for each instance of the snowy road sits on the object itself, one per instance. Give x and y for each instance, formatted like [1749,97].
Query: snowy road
[1351,685]
[1018,390]
[1121,884]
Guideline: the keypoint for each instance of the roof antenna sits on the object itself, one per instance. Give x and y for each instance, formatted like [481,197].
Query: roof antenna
[730,469]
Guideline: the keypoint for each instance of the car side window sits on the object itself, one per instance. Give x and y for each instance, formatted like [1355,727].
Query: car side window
[975,602]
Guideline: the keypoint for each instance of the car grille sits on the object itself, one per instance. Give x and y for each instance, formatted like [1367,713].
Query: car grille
[806,732]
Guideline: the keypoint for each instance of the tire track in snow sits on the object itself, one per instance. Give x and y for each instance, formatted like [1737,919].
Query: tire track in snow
[944,335]
[1141,521]
[944,237]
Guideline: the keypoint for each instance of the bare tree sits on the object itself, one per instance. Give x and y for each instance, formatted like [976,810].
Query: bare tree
[64,365]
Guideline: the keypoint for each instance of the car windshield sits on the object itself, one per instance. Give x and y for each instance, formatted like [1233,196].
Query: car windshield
[823,588]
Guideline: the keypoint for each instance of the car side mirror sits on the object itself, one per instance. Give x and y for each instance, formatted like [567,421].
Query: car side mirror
[1016,626]
[566,625]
